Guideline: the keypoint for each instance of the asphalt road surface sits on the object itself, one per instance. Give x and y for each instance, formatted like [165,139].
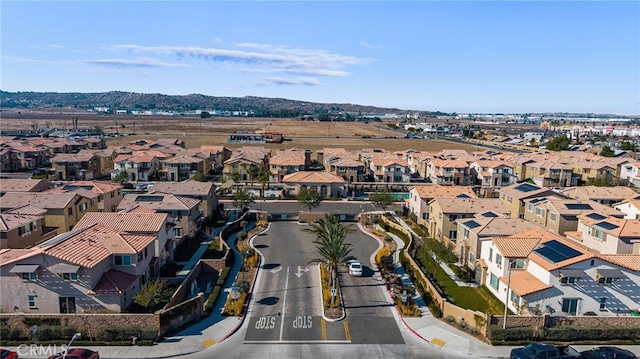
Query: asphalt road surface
[287,304]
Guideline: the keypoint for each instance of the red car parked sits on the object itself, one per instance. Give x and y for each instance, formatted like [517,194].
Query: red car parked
[77,353]
[8,354]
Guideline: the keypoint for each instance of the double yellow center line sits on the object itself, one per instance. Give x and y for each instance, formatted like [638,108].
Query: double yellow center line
[345,324]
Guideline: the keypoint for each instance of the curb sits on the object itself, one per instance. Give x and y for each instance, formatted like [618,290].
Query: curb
[344,314]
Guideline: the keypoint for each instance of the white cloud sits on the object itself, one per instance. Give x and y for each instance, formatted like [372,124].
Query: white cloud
[368,45]
[141,62]
[306,81]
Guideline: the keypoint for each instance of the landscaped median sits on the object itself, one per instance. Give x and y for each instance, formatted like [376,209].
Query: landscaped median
[332,309]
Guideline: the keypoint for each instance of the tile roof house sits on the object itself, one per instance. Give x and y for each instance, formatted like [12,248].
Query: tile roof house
[23,230]
[545,273]
[9,160]
[219,155]
[184,209]
[630,207]
[205,192]
[327,184]
[240,162]
[445,211]
[421,195]
[139,167]
[23,185]
[181,167]
[107,194]
[288,161]
[514,196]
[76,166]
[550,173]
[472,232]
[63,210]
[561,215]
[449,172]
[105,158]
[491,173]
[605,195]
[607,234]
[83,270]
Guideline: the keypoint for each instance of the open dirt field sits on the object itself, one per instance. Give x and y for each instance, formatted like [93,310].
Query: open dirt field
[194,131]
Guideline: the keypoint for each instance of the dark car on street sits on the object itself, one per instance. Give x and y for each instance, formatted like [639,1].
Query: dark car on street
[607,353]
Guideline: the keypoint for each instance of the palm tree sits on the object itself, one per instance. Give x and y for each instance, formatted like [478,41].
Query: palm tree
[263,178]
[253,172]
[331,245]
[236,177]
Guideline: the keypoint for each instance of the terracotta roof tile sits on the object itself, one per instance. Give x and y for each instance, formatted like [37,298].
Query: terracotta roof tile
[146,222]
[471,205]
[312,177]
[438,191]
[523,283]
[629,261]
[114,281]
[516,247]
[38,199]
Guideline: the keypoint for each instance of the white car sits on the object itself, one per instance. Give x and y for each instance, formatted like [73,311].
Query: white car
[355,268]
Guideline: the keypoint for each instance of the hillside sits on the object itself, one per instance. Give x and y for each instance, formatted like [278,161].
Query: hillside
[260,106]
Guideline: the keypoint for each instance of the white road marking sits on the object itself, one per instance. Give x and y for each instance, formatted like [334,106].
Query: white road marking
[284,302]
[301,271]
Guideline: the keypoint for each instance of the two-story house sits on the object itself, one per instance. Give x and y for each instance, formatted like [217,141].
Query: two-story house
[445,211]
[348,168]
[449,172]
[630,207]
[181,167]
[607,234]
[21,230]
[547,274]
[139,167]
[514,196]
[184,209]
[107,194]
[559,215]
[24,185]
[205,192]
[76,166]
[63,210]
[219,154]
[288,161]
[420,196]
[491,173]
[604,195]
[246,158]
[327,184]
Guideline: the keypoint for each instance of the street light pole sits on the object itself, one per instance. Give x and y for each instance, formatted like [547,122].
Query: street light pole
[75,336]
[506,302]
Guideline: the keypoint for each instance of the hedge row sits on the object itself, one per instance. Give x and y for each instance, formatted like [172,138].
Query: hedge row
[563,334]
[48,333]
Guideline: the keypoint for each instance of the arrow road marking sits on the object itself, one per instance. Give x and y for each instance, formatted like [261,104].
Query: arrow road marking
[301,271]
[276,270]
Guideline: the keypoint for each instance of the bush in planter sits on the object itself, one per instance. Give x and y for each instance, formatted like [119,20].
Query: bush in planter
[450,319]
[242,235]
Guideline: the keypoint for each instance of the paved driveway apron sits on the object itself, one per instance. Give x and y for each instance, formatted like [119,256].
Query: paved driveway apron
[287,306]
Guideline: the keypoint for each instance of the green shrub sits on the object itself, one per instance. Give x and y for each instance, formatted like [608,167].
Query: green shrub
[450,319]
[223,275]
[435,310]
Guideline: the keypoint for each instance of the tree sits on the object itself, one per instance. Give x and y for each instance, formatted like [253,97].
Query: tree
[253,172]
[243,199]
[200,177]
[121,177]
[382,199]
[627,146]
[331,244]
[263,179]
[559,143]
[205,114]
[154,295]
[309,197]
[606,152]
[236,177]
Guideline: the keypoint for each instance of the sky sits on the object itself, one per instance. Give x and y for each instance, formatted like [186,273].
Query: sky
[451,56]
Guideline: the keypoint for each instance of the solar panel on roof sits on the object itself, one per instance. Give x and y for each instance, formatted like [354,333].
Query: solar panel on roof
[472,224]
[536,200]
[149,198]
[607,225]
[578,206]
[555,252]
[489,215]
[526,187]
[596,216]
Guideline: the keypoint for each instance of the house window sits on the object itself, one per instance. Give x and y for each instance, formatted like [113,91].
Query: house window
[83,207]
[539,212]
[603,303]
[552,217]
[530,207]
[177,231]
[67,304]
[70,211]
[32,301]
[598,234]
[509,199]
[123,260]
[29,276]
[494,281]
[515,299]
[568,280]
[453,235]
[570,305]
[490,254]
[69,276]
[466,233]
[140,256]
[499,260]
[518,264]
[472,257]
[605,280]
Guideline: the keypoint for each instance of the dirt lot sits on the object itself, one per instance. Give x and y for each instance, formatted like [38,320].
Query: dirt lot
[194,131]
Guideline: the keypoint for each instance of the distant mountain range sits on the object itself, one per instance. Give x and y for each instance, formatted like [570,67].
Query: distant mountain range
[260,106]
